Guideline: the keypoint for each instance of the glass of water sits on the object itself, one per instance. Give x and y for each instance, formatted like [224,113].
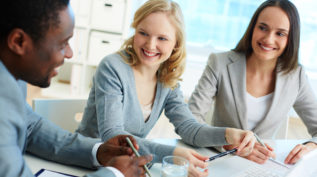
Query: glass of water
[174,166]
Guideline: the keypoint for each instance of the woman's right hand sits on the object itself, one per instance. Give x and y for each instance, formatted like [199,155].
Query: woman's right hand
[195,160]
[261,154]
[243,140]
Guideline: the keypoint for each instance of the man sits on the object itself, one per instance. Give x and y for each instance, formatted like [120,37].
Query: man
[34,38]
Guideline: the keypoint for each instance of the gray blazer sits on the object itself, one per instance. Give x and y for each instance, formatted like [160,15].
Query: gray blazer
[224,81]
[22,130]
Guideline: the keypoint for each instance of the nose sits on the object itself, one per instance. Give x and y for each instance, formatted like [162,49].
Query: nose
[68,52]
[269,38]
[151,43]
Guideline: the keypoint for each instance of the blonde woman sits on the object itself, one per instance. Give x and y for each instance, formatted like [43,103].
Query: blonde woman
[133,87]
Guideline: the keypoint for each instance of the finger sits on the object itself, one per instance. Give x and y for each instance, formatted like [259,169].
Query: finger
[304,150]
[134,142]
[199,160]
[193,172]
[269,147]
[256,159]
[141,171]
[245,142]
[261,153]
[199,156]
[262,150]
[247,145]
[292,153]
[143,159]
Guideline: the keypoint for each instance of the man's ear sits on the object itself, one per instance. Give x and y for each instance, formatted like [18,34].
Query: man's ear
[19,41]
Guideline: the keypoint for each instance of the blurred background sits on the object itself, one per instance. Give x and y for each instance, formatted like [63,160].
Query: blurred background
[101,26]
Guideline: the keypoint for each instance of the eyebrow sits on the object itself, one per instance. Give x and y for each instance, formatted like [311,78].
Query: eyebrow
[161,35]
[280,29]
[66,39]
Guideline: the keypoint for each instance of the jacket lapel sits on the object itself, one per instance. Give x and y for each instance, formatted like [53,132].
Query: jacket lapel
[279,84]
[237,74]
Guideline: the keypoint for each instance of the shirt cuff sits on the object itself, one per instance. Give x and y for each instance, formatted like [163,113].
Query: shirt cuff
[94,154]
[116,172]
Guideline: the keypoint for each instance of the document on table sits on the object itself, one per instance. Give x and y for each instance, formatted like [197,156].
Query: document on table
[49,173]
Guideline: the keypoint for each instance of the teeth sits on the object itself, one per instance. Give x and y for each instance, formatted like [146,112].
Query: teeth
[149,54]
[266,48]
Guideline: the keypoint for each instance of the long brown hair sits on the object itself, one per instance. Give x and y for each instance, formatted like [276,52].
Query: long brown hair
[288,61]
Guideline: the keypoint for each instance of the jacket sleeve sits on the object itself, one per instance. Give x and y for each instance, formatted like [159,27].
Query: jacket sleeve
[306,105]
[12,129]
[202,98]
[48,141]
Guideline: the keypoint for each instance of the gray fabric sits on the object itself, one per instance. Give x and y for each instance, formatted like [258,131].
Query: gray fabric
[224,81]
[22,130]
[113,108]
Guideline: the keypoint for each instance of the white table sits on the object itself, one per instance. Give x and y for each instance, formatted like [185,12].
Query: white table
[226,166]
[223,166]
[36,163]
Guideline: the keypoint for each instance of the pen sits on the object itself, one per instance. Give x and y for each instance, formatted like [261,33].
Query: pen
[221,154]
[138,155]
[271,159]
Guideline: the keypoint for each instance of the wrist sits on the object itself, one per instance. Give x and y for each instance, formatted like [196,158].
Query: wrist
[310,144]
[227,135]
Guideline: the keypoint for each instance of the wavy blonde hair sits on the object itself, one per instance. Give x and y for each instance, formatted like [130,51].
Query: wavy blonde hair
[171,70]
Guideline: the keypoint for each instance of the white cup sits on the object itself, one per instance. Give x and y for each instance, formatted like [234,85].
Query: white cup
[174,166]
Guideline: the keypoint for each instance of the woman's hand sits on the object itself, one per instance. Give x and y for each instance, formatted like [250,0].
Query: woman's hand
[243,140]
[261,154]
[195,160]
[299,151]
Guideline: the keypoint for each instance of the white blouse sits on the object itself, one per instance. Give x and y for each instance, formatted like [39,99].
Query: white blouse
[146,110]
[257,109]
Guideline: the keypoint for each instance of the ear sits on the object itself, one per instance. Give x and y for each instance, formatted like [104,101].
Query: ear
[19,41]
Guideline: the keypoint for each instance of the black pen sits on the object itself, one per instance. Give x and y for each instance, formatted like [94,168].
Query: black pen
[221,154]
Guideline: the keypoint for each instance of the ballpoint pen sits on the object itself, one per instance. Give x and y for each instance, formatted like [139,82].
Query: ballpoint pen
[221,154]
[138,155]
[271,159]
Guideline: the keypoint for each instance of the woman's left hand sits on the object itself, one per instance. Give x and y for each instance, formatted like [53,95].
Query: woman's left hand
[195,160]
[299,151]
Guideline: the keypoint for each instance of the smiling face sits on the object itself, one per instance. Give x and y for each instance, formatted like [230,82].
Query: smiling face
[154,39]
[48,54]
[270,34]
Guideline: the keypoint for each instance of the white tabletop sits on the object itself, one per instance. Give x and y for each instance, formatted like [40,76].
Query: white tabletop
[228,165]
[223,166]
[36,164]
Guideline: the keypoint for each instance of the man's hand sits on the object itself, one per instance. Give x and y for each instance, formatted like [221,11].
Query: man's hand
[299,151]
[115,146]
[130,166]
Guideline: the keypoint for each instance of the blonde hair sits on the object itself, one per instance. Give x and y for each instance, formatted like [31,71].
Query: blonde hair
[171,70]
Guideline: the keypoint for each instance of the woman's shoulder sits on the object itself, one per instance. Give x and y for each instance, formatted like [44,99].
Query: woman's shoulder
[113,59]
[222,59]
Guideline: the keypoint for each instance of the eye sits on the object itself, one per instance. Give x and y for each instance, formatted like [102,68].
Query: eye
[281,34]
[262,28]
[143,33]
[162,39]
[64,45]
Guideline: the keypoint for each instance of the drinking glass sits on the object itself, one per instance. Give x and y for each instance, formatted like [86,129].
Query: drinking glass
[174,166]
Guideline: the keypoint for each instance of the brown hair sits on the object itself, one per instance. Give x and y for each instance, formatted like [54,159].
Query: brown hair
[288,61]
[171,70]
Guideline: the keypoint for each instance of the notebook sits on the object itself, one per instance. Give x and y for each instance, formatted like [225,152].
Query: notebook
[304,167]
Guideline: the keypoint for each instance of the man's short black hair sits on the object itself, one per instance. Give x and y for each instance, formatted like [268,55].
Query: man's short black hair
[35,17]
